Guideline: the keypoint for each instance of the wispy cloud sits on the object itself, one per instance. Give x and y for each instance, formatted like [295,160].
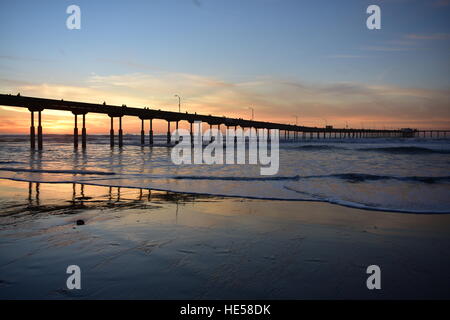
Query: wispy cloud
[386,48]
[429,36]
[408,42]
[346,56]
[21,58]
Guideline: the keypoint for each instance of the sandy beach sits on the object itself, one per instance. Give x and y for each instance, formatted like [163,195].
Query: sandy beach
[143,244]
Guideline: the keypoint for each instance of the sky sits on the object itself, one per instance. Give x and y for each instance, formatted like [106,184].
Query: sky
[316,60]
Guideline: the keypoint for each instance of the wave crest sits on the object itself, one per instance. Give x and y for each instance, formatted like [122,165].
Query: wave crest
[406,150]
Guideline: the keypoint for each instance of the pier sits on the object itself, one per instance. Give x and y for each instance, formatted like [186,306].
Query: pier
[287,131]
[433,133]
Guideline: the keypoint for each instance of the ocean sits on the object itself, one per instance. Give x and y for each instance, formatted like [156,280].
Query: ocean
[408,175]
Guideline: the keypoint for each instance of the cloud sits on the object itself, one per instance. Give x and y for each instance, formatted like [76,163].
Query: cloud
[386,48]
[346,56]
[19,58]
[408,42]
[429,36]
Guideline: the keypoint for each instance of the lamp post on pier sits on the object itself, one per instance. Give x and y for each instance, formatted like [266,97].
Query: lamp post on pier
[179,102]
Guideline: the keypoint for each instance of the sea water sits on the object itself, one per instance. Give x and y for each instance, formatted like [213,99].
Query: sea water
[409,175]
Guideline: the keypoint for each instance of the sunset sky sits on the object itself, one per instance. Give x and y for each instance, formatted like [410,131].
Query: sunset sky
[313,59]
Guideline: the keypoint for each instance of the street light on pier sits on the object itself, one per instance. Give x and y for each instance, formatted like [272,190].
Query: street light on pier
[179,102]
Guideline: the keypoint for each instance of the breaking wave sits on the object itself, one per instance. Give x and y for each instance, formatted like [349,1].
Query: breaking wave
[311,147]
[349,177]
[233,178]
[406,150]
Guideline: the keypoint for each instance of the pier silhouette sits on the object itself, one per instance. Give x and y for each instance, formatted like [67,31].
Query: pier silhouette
[34,104]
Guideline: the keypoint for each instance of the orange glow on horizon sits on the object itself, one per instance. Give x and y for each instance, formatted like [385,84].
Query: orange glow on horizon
[100,124]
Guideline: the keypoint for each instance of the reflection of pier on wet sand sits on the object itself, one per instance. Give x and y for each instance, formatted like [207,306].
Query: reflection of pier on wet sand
[114,194]
[73,198]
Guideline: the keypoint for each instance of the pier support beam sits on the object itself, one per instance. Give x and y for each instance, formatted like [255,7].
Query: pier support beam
[150,133]
[83,133]
[142,133]
[39,131]
[75,132]
[210,133]
[191,132]
[120,133]
[32,134]
[111,133]
[177,137]
[168,132]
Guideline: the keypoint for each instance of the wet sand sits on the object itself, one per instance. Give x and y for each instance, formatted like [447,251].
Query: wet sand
[141,244]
